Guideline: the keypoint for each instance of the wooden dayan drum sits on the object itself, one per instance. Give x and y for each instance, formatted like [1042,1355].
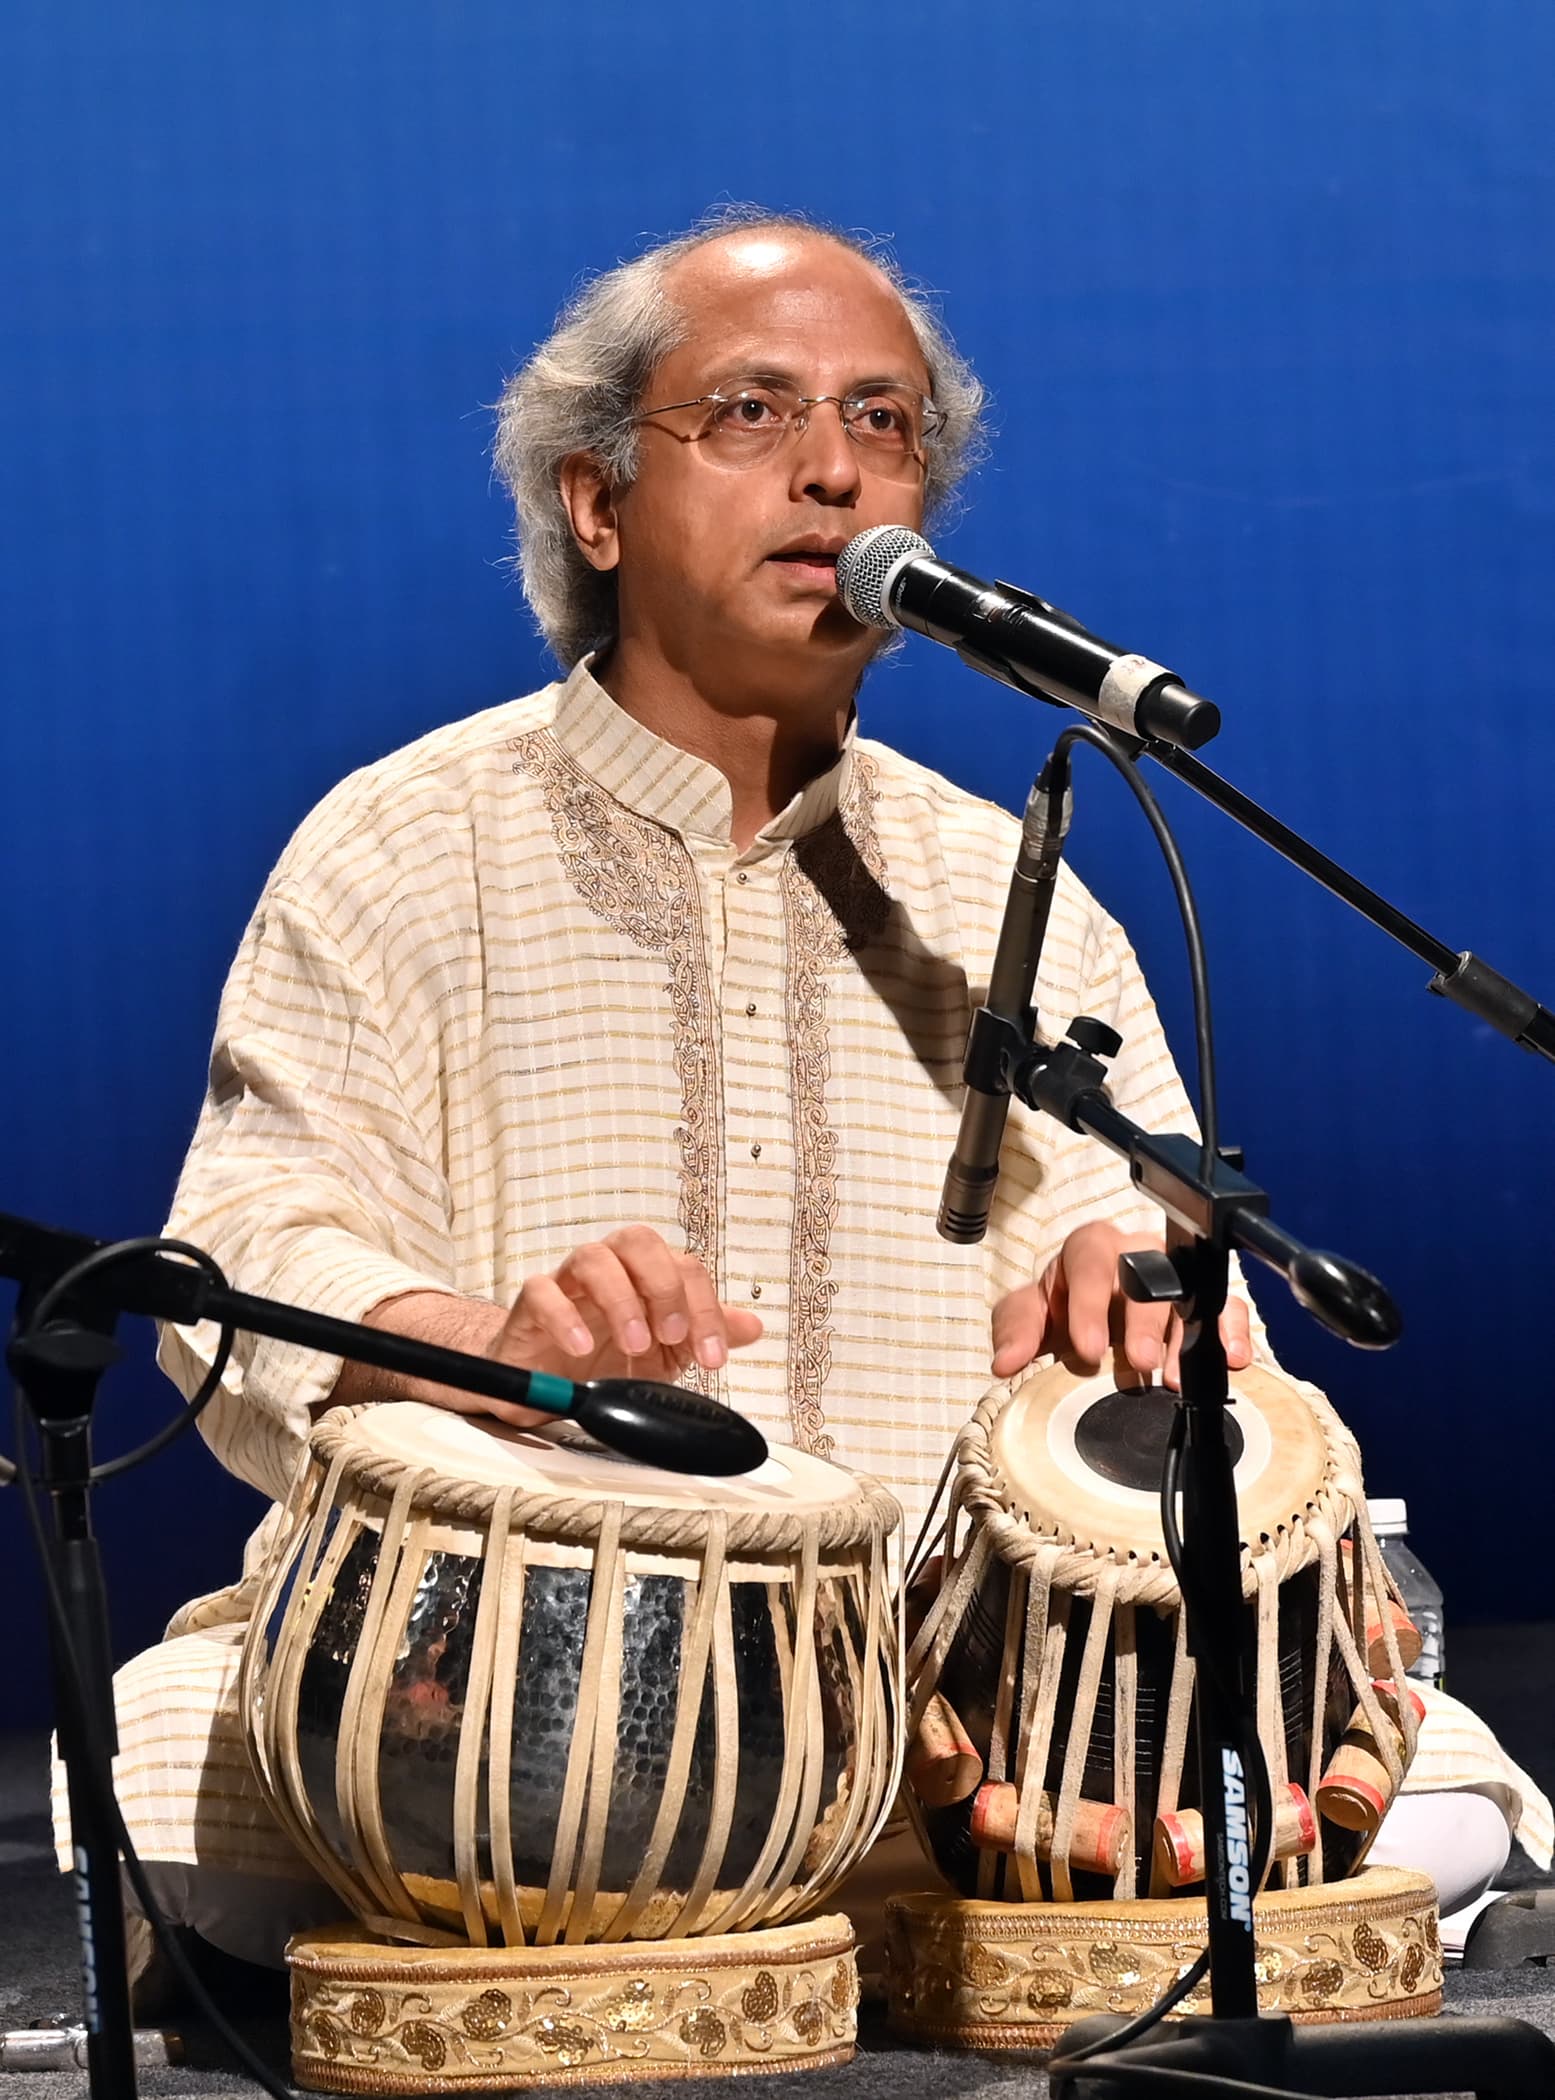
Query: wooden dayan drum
[1051,1749]
[510,1689]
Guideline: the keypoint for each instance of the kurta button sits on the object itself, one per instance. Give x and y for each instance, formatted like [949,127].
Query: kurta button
[750,1011]
[742,876]
[755,1290]
[755,1151]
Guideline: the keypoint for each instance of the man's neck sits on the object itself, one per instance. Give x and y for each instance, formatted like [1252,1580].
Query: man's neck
[768,747]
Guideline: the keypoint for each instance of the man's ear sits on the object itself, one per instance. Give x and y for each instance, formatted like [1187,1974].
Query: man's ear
[591,509]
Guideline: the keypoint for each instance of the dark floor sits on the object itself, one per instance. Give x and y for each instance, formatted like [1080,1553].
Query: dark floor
[1507,1673]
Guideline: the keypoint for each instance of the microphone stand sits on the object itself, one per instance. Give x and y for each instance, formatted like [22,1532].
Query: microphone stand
[1212,1207]
[1461,976]
[57,1368]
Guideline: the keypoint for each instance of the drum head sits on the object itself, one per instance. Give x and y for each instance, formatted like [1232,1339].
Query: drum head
[1080,1457]
[565,1463]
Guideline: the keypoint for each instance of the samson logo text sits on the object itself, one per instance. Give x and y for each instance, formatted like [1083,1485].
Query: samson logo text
[1239,1884]
[92,2012]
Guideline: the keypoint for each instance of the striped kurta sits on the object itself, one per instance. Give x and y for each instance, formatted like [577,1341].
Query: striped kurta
[515,987]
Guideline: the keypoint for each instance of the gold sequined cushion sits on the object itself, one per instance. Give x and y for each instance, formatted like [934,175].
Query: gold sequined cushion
[963,1974]
[369,2016]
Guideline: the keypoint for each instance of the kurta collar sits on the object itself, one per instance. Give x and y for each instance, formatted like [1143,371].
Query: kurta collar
[658,780]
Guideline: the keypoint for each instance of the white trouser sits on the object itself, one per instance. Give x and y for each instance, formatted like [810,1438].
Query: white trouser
[251,1916]
[1461,1839]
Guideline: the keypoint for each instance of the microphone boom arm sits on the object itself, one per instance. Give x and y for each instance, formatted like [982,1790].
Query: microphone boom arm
[1461,976]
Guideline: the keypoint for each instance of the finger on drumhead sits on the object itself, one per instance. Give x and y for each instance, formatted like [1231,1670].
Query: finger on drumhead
[1091,1275]
[607,1286]
[1235,1336]
[514,1416]
[659,1277]
[1171,1360]
[1019,1328]
[1144,1334]
[1236,1333]
[1013,1355]
[478,1404]
[709,1330]
[544,1304]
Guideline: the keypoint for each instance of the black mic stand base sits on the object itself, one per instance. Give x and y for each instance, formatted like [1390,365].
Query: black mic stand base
[1494,2059]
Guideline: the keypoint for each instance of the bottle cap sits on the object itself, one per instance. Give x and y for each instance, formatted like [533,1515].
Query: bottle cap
[1389,1515]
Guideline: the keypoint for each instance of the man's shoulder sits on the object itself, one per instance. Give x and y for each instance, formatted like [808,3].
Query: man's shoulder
[903,785]
[430,779]
[976,839]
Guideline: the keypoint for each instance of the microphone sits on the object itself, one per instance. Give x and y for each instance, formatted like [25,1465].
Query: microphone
[657,1424]
[890,577]
[973,1172]
[664,1425]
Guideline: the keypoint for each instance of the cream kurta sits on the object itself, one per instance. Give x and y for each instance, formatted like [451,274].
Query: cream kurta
[514,987]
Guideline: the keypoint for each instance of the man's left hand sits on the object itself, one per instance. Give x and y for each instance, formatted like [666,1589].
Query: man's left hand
[1076,1309]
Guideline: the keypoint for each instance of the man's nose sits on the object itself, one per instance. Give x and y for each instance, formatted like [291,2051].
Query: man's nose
[825,459]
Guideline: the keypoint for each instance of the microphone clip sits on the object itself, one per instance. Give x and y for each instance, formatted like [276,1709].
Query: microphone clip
[1055,1076]
[997,1046]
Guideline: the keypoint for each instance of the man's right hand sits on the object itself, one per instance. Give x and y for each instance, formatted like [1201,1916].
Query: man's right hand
[625,1304]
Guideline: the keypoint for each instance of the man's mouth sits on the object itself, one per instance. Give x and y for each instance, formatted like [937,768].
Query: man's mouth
[815,564]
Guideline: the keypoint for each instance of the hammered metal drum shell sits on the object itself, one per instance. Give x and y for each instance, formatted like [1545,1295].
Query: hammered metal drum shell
[793,1728]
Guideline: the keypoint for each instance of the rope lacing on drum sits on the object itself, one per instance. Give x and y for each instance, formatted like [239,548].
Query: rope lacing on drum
[572,1518]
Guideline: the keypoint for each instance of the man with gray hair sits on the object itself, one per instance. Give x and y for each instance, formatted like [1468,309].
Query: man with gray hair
[621,1025]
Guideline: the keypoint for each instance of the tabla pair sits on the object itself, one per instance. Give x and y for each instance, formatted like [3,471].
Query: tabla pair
[510,1691]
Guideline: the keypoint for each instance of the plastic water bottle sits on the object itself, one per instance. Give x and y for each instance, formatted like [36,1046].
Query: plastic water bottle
[1420,1591]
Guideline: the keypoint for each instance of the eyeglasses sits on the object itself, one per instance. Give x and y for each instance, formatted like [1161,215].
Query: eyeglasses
[747,421]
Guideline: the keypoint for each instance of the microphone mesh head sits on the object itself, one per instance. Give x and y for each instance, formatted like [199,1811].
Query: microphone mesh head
[866,569]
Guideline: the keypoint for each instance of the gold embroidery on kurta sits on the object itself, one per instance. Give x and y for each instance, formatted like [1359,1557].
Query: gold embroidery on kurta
[638,878]
[834,902]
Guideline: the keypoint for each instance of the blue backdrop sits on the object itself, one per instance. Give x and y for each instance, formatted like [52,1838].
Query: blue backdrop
[1264,297]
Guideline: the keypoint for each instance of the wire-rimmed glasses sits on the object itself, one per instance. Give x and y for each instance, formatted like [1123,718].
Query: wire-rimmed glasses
[747,420]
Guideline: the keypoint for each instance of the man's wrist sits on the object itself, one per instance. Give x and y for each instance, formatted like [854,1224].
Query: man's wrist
[441,1318]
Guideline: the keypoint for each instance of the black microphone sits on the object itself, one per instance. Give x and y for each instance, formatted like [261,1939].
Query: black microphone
[973,1172]
[890,577]
[643,1418]
[664,1425]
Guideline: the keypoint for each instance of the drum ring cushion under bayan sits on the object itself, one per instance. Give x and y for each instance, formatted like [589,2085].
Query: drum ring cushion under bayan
[372,2017]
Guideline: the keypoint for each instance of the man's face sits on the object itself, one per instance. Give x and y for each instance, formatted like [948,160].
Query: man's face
[728,569]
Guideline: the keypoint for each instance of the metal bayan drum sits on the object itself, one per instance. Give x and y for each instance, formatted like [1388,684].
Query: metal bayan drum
[508,1688]
[1052,1752]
